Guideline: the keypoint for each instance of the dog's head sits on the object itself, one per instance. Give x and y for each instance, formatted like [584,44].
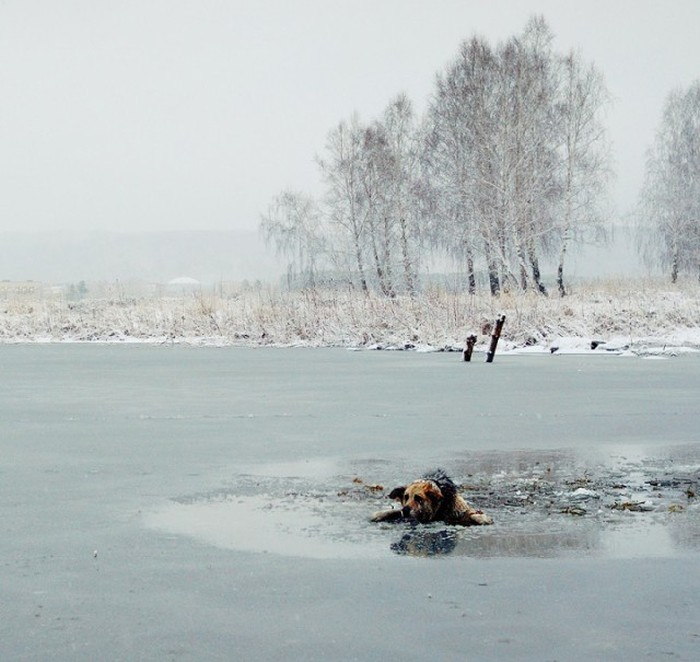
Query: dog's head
[420,499]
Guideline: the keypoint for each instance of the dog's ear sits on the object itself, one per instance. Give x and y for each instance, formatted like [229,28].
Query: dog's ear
[433,492]
[397,492]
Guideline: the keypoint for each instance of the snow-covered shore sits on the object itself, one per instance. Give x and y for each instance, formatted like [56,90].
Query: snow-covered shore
[640,317]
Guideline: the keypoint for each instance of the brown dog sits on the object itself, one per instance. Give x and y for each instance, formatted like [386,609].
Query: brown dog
[433,498]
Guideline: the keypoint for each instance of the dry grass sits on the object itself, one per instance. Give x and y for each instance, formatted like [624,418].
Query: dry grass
[623,309]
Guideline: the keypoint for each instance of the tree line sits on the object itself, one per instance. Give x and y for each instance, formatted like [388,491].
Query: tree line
[506,167]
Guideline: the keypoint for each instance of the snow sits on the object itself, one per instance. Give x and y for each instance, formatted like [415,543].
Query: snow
[183,280]
[583,494]
[604,319]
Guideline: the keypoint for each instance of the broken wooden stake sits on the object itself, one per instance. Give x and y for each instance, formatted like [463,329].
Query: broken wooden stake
[467,353]
[494,338]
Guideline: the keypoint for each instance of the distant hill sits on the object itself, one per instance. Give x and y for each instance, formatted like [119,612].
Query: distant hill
[208,256]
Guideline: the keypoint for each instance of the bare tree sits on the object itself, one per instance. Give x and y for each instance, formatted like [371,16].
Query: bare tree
[461,157]
[493,156]
[403,204]
[585,155]
[292,225]
[527,108]
[375,165]
[506,167]
[516,152]
[670,201]
[345,200]
[375,198]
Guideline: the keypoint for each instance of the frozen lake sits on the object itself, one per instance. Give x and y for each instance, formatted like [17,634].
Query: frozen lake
[211,503]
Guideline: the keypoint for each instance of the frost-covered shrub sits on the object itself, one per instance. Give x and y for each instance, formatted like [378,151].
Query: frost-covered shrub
[631,311]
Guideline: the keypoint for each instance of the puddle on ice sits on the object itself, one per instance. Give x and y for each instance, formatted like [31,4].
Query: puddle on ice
[545,505]
[257,524]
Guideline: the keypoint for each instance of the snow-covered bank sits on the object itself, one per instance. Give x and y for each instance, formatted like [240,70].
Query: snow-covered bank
[639,317]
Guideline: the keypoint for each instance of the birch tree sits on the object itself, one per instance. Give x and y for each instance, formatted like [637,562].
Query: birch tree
[527,110]
[585,155]
[493,156]
[460,156]
[293,225]
[375,165]
[375,198]
[404,202]
[345,200]
[516,151]
[506,167]
[670,201]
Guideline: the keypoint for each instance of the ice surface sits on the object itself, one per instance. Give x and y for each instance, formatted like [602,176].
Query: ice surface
[227,492]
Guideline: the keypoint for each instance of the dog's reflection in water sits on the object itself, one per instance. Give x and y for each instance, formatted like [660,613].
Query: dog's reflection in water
[424,542]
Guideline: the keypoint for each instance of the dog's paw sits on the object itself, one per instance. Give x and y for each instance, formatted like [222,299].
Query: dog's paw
[481,518]
[386,516]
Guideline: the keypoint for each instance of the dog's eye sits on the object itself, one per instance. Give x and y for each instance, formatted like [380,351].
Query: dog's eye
[418,499]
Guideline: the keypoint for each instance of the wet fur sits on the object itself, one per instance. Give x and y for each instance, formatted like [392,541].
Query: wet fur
[432,498]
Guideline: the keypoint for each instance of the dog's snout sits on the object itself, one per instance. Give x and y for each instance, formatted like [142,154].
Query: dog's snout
[406,511]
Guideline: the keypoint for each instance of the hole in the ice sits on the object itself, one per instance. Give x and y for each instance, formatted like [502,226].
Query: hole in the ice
[545,504]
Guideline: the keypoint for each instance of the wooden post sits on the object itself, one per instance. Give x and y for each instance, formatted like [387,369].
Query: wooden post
[467,353]
[494,338]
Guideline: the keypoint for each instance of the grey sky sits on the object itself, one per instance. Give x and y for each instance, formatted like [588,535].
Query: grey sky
[170,115]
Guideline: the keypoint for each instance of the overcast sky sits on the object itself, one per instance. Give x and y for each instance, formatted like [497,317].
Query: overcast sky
[170,115]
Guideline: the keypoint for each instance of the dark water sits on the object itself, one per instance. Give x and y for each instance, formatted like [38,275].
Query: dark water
[184,503]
